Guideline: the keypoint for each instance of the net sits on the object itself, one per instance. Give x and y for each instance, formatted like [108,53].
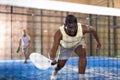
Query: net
[58,6]
[41,24]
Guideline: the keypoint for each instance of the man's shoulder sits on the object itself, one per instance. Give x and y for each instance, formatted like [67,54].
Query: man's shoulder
[79,23]
[28,36]
[84,25]
[58,33]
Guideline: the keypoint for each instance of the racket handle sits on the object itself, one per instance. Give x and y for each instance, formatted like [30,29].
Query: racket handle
[49,61]
[18,49]
[53,62]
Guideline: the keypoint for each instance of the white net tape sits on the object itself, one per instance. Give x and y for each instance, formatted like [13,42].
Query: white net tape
[63,6]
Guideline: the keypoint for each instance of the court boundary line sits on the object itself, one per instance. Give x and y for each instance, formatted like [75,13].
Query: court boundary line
[76,70]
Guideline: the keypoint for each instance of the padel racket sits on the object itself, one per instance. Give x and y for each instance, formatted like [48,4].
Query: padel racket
[40,61]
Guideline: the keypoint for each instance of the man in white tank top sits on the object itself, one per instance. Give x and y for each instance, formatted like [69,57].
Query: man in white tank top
[70,37]
[24,43]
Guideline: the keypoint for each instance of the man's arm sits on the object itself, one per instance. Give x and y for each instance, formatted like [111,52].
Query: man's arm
[28,44]
[19,43]
[90,29]
[56,43]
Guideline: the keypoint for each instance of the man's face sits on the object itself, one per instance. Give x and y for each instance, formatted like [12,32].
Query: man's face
[24,32]
[71,29]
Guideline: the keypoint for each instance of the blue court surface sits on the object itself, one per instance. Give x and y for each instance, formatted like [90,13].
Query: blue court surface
[98,68]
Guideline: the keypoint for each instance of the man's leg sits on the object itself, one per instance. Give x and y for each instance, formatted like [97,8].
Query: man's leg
[82,61]
[25,54]
[63,56]
[59,66]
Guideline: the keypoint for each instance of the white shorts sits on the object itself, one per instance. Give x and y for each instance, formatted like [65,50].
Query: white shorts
[65,53]
[25,50]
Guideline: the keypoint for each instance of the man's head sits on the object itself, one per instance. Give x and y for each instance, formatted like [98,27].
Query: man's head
[71,25]
[70,19]
[24,32]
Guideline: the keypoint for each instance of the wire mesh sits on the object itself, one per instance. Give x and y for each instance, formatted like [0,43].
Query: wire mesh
[41,26]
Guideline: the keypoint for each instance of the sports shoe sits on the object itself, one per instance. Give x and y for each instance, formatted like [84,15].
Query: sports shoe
[54,75]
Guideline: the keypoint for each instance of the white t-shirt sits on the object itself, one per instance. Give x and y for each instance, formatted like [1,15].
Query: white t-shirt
[24,40]
[68,41]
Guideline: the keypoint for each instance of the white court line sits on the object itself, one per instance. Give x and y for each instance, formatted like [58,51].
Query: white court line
[91,70]
[105,58]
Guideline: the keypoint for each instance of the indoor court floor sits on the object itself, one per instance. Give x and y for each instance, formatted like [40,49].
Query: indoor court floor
[98,68]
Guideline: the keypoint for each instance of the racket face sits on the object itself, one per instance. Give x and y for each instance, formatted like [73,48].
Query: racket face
[40,61]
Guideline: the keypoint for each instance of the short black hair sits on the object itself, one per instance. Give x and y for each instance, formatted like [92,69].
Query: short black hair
[70,19]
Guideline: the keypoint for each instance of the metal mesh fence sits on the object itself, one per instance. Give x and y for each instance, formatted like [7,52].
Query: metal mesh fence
[41,26]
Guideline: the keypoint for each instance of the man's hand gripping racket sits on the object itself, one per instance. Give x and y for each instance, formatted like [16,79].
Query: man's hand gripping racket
[41,62]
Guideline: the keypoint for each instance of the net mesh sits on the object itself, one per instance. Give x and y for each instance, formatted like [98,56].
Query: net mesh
[41,26]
